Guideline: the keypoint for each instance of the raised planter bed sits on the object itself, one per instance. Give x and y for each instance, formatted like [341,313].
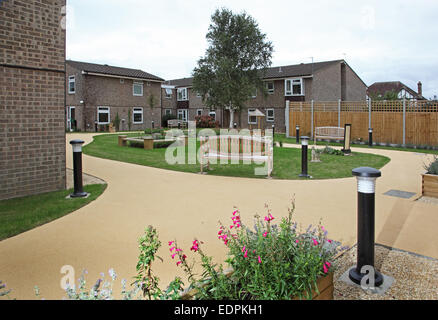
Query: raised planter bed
[324,284]
[429,186]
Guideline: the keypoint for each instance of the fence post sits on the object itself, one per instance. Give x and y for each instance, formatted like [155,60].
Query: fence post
[339,113]
[369,113]
[311,125]
[404,122]
[286,118]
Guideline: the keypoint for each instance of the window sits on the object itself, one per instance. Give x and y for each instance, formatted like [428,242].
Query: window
[294,87]
[182,94]
[103,115]
[168,93]
[182,114]
[254,93]
[212,114]
[71,84]
[167,112]
[137,115]
[122,81]
[199,112]
[137,89]
[252,119]
[270,87]
[270,115]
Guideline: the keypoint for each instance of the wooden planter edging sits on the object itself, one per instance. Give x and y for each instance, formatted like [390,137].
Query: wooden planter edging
[324,284]
[429,186]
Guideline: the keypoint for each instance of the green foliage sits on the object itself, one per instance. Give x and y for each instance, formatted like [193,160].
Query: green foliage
[116,122]
[235,61]
[148,246]
[332,151]
[432,167]
[3,290]
[388,95]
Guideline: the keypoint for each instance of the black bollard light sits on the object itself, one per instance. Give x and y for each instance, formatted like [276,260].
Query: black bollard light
[366,185]
[273,130]
[370,137]
[153,125]
[297,134]
[235,125]
[77,169]
[304,146]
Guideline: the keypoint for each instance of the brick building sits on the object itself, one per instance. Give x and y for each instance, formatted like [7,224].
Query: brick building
[97,93]
[32,97]
[321,81]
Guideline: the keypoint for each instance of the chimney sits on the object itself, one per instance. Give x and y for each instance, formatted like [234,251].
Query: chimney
[420,88]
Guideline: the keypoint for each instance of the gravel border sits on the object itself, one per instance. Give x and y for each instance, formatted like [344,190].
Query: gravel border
[416,276]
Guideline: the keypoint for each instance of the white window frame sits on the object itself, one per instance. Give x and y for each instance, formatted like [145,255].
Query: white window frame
[293,81]
[72,79]
[249,117]
[167,112]
[103,110]
[198,112]
[168,95]
[184,114]
[270,118]
[136,83]
[184,94]
[254,94]
[212,114]
[270,91]
[137,110]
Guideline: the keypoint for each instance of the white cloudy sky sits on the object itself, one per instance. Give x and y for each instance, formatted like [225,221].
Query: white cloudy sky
[381,40]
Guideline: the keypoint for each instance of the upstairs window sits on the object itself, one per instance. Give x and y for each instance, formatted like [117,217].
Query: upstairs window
[137,115]
[270,87]
[137,89]
[168,93]
[71,84]
[294,87]
[182,94]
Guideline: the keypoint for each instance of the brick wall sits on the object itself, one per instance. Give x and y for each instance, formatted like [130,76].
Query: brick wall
[32,131]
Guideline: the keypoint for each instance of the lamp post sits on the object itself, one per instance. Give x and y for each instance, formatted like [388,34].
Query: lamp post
[304,146]
[297,134]
[370,137]
[273,130]
[366,185]
[77,169]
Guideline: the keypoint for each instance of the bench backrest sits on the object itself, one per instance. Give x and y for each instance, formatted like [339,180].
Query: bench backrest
[236,144]
[329,131]
[174,122]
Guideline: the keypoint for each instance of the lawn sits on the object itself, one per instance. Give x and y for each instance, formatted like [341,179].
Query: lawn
[22,214]
[287,161]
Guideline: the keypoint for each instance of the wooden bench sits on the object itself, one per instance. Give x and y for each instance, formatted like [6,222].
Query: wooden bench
[335,133]
[237,147]
[149,141]
[173,123]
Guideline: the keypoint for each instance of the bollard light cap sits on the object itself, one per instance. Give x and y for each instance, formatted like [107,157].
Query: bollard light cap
[366,172]
[77,141]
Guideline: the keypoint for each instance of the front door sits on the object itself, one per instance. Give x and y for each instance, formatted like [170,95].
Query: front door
[71,117]
[183,114]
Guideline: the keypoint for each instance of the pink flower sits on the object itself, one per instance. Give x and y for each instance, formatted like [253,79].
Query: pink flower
[269,218]
[297,241]
[234,213]
[329,241]
[326,266]
[315,242]
[173,255]
[244,248]
[220,232]
[171,249]
[184,257]
[260,259]
[325,269]
[245,254]
[171,242]
[265,234]
[178,263]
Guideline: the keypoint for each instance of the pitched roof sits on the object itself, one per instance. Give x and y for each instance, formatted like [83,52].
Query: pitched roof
[296,70]
[105,69]
[388,86]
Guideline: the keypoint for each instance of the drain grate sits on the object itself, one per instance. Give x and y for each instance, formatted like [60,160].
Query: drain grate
[400,194]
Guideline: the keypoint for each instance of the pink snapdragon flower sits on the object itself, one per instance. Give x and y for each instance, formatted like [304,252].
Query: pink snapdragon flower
[315,242]
[269,218]
[259,259]
[265,234]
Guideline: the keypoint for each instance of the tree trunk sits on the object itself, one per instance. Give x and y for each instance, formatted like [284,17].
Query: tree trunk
[231,118]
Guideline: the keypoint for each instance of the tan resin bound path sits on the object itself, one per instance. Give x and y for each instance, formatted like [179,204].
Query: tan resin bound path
[182,206]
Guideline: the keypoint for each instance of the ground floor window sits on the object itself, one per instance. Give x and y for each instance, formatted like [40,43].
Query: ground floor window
[212,114]
[199,112]
[167,112]
[270,115]
[252,119]
[103,115]
[137,115]
[182,114]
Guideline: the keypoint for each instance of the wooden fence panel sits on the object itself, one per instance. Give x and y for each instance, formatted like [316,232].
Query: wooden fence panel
[386,120]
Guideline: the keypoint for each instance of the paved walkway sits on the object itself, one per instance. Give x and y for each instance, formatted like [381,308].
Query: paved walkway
[183,206]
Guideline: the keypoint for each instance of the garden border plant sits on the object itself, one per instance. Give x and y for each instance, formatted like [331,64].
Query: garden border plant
[268,261]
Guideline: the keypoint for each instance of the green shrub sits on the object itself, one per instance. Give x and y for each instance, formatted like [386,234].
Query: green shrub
[162,144]
[165,118]
[332,151]
[432,167]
